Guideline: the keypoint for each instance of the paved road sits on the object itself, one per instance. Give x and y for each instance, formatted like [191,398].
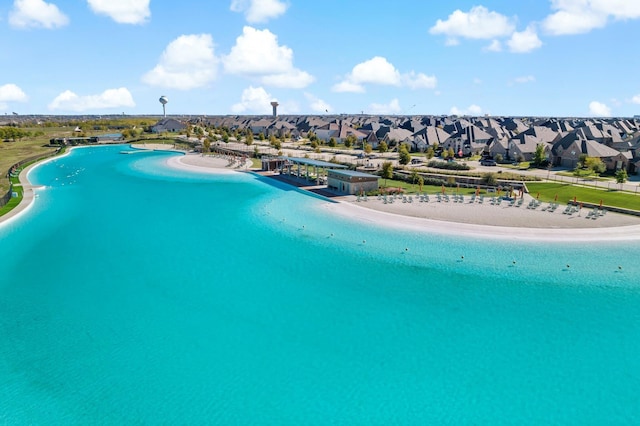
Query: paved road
[376,159]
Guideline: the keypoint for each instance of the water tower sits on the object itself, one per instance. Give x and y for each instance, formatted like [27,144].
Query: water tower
[164,100]
[274,104]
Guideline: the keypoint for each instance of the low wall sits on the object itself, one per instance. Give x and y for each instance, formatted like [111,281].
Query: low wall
[609,208]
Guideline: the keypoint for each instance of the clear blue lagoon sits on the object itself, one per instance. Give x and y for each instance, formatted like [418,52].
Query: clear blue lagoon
[132,293]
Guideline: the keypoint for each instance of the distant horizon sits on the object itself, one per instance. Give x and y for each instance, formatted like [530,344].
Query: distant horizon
[160,116]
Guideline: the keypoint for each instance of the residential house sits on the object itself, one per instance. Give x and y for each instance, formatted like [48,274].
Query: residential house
[168,125]
[566,152]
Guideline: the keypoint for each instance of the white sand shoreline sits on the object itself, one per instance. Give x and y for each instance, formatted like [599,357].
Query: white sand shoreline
[544,226]
[460,220]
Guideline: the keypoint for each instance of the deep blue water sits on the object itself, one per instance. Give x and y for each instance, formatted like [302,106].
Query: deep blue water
[132,293]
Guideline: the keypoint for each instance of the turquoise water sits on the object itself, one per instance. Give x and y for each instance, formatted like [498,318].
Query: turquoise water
[133,293]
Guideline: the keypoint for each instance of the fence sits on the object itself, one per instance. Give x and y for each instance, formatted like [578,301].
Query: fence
[465,181]
[6,197]
[608,185]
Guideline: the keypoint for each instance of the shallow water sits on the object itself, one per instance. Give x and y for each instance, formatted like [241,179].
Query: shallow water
[134,293]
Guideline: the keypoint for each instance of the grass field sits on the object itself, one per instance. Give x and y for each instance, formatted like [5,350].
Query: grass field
[566,192]
[12,152]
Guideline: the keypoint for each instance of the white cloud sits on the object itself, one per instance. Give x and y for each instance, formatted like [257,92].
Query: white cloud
[524,41]
[378,70]
[347,86]
[477,81]
[111,98]
[419,81]
[37,14]
[293,79]
[12,93]
[258,54]
[254,100]
[122,11]
[524,79]
[187,63]
[472,110]
[582,16]
[599,109]
[478,23]
[317,105]
[495,46]
[392,107]
[636,99]
[258,11]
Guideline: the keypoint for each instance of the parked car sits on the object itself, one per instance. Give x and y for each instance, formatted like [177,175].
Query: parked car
[488,162]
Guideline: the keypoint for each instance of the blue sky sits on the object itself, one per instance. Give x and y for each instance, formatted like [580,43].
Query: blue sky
[498,57]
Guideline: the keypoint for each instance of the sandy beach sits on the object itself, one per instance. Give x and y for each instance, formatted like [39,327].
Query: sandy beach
[470,219]
[473,219]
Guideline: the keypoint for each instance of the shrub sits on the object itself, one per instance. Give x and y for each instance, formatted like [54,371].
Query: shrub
[435,164]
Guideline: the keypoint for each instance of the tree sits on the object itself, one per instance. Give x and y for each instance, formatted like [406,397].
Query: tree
[332,142]
[596,165]
[450,152]
[350,141]
[582,160]
[414,176]
[489,179]
[383,147]
[249,138]
[206,145]
[420,182]
[403,154]
[367,148]
[621,177]
[261,136]
[499,158]
[387,171]
[430,153]
[539,156]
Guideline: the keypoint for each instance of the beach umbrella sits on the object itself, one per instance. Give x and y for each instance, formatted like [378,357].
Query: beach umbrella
[575,200]
[443,188]
[600,203]
[477,190]
[555,198]
[538,196]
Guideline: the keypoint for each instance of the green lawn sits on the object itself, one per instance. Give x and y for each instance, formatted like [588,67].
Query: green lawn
[12,202]
[567,192]
[12,152]
[409,188]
